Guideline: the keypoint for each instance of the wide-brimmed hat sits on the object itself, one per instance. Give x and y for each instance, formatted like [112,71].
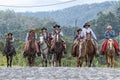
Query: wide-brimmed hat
[109,27]
[44,28]
[56,26]
[79,30]
[32,29]
[9,34]
[86,24]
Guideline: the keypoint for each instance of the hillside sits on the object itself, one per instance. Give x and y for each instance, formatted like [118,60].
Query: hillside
[67,16]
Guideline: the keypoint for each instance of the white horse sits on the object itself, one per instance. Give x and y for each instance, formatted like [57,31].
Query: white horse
[43,50]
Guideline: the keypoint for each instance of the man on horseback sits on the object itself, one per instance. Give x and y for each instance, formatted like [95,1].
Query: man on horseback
[76,38]
[31,35]
[57,29]
[45,35]
[109,34]
[86,29]
[10,39]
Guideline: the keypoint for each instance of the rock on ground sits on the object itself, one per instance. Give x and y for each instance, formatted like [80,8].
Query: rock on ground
[59,73]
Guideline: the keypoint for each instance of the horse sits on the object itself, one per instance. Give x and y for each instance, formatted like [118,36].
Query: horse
[110,53]
[9,51]
[88,52]
[43,50]
[58,50]
[50,55]
[31,52]
[79,50]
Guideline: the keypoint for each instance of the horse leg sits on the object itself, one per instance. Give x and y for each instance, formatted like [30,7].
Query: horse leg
[7,61]
[81,62]
[78,62]
[112,62]
[60,62]
[86,59]
[45,62]
[108,60]
[29,61]
[33,60]
[11,61]
[90,64]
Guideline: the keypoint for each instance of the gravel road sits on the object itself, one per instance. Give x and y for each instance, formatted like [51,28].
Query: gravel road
[59,73]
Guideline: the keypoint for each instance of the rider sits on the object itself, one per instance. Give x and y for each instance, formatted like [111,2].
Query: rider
[109,33]
[44,33]
[11,38]
[31,35]
[87,29]
[57,29]
[77,36]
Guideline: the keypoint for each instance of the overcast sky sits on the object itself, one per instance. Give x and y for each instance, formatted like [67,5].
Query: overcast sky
[42,3]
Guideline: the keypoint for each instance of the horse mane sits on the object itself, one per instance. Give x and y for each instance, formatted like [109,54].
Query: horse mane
[109,46]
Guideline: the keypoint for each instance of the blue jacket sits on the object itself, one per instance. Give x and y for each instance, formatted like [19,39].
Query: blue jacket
[108,34]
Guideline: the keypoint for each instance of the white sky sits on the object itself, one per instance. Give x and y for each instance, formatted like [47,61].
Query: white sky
[43,2]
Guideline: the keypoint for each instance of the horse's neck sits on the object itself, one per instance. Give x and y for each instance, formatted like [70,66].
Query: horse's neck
[110,45]
[58,44]
[89,45]
[44,45]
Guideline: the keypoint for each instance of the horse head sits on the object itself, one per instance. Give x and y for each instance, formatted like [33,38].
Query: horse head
[41,39]
[88,35]
[110,44]
[58,37]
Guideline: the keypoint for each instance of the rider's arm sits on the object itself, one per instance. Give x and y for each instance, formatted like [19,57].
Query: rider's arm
[12,40]
[106,35]
[26,39]
[61,33]
[93,34]
[112,33]
[82,33]
[35,36]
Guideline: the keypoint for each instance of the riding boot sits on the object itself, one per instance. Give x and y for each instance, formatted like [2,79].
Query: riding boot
[96,47]
[64,46]
[102,52]
[117,52]
[39,53]
[25,54]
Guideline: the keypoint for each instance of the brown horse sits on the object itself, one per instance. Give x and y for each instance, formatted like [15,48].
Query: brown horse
[88,52]
[110,53]
[58,49]
[50,52]
[79,50]
[31,52]
[9,51]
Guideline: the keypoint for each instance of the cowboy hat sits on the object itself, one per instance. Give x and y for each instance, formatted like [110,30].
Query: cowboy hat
[56,26]
[9,34]
[109,27]
[79,30]
[86,24]
[44,28]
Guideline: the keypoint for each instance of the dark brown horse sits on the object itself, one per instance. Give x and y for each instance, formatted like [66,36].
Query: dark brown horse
[58,50]
[31,52]
[110,53]
[88,52]
[50,52]
[9,51]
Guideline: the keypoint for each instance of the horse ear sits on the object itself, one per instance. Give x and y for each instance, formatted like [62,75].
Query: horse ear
[90,32]
[86,32]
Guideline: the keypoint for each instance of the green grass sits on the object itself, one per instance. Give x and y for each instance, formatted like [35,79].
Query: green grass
[68,61]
